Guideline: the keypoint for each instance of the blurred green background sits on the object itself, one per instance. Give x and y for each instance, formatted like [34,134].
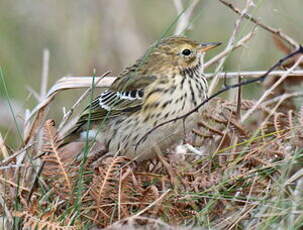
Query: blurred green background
[111,34]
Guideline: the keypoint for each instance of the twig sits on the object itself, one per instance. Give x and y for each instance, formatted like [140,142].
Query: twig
[12,157]
[245,210]
[3,148]
[35,180]
[183,22]
[33,93]
[274,31]
[229,45]
[7,212]
[240,43]
[43,90]
[271,112]
[269,91]
[178,6]
[244,213]
[238,100]
[11,166]
[228,87]
[282,97]
[255,74]
[44,80]
[13,184]
[151,204]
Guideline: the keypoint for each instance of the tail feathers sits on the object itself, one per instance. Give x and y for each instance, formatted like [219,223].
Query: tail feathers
[79,136]
[72,137]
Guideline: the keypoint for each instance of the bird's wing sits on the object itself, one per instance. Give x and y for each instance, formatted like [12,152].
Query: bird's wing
[125,96]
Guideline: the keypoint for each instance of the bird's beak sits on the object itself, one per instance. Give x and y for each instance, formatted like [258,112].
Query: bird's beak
[209,45]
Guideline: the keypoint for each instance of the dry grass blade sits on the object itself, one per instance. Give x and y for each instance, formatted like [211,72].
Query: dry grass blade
[70,82]
[31,130]
[152,204]
[3,148]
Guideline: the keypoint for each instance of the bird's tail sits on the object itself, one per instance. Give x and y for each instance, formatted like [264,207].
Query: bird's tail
[72,137]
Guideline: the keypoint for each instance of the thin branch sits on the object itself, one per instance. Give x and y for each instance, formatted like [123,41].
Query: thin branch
[43,91]
[184,20]
[274,31]
[282,97]
[255,74]
[269,91]
[13,156]
[272,111]
[33,93]
[179,6]
[7,181]
[45,68]
[230,44]
[3,148]
[240,43]
[238,99]
[151,204]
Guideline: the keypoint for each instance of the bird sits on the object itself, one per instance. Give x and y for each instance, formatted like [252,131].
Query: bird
[165,83]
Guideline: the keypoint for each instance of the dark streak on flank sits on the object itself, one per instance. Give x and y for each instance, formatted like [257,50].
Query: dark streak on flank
[182,82]
[166,115]
[166,103]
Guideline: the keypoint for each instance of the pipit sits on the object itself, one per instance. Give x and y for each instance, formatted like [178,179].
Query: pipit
[165,83]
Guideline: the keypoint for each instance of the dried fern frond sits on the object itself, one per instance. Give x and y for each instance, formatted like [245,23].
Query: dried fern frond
[34,218]
[104,187]
[58,169]
[279,124]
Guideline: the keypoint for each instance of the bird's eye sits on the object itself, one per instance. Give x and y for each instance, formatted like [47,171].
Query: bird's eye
[186,52]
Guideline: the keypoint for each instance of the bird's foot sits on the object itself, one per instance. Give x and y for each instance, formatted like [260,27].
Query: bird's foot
[174,179]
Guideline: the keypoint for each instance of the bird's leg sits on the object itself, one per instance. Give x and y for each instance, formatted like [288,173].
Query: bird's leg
[171,172]
[97,153]
[97,159]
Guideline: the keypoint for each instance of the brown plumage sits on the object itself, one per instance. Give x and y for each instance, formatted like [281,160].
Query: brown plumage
[165,83]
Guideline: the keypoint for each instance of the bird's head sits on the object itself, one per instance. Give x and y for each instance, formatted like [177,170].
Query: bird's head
[174,53]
